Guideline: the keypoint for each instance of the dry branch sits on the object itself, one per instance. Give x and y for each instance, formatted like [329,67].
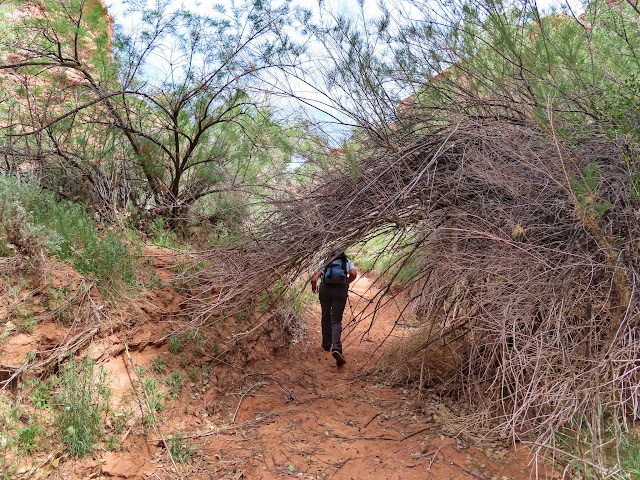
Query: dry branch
[525,292]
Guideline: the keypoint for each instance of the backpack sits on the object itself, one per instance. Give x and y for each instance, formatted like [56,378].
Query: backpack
[336,272]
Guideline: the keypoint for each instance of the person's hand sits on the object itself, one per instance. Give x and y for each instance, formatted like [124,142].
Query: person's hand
[314,282]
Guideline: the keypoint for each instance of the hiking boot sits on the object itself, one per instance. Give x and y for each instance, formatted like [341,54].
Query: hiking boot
[326,348]
[337,354]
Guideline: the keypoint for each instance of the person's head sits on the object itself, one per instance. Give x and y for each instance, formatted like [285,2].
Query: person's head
[337,253]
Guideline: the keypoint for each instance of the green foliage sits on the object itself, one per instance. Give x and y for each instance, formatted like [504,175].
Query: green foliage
[152,400]
[585,188]
[81,400]
[629,455]
[374,253]
[384,255]
[40,395]
[158,364]
[107,260]
[187,135]
[9,417]
[175,344]
[5,250]
[299,297]
[155,282]
[174,382]
[23,317]
[180,449]
[153,396]
[119,421]
[161,236]
[112,443]
[28,435]
[56,300]
[618,450]
[17,230]
[196,340]
[67,231]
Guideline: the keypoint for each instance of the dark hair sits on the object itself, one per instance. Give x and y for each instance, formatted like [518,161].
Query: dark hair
[335,251]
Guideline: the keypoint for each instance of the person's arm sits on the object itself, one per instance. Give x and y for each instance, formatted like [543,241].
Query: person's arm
[353,273]
[314,281]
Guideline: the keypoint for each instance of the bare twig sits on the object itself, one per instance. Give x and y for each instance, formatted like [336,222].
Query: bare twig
[244,395]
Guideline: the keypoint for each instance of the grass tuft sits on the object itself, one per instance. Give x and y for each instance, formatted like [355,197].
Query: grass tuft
[81,400]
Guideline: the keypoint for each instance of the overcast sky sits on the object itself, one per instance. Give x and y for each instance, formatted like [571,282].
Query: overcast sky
[116,7]
[117,10]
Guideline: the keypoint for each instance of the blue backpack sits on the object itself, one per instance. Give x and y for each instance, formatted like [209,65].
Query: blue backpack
[336,272]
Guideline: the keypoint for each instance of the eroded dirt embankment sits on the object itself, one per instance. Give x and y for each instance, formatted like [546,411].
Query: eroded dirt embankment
[261,411]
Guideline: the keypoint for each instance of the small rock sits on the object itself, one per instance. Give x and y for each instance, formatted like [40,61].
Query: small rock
[10,327]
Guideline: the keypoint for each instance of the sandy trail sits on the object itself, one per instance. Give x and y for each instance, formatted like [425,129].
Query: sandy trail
[304,417]
[289,414]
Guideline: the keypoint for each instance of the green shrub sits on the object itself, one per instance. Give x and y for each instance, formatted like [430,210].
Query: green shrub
[174,382]
[5,251]
[162,237]
[81,399]
[40,396]
[158,364]
[175,344]
[153,396]
[28,435]
[67,230]
[585,187]
[112,443]
[9,415]
[120,421]
[180,449]
[107,260]
[384,255]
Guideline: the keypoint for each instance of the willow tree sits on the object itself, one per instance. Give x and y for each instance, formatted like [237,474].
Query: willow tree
[161,114]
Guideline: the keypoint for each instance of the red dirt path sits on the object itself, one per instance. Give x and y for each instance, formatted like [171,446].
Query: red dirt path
[288,414]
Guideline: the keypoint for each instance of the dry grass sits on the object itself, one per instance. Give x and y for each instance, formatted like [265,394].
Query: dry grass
[408,361]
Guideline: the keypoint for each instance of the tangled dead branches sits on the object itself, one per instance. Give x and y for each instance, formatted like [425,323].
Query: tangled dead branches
[523,252]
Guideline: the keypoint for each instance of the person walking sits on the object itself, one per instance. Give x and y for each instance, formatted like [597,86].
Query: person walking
[336,272]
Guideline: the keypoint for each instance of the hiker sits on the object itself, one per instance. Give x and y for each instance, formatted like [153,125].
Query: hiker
[334,289]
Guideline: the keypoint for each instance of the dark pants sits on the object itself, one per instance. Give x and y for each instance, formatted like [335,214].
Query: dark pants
[333,298]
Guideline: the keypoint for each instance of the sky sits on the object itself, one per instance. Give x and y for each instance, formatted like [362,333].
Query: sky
[116,7]
[335,130]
